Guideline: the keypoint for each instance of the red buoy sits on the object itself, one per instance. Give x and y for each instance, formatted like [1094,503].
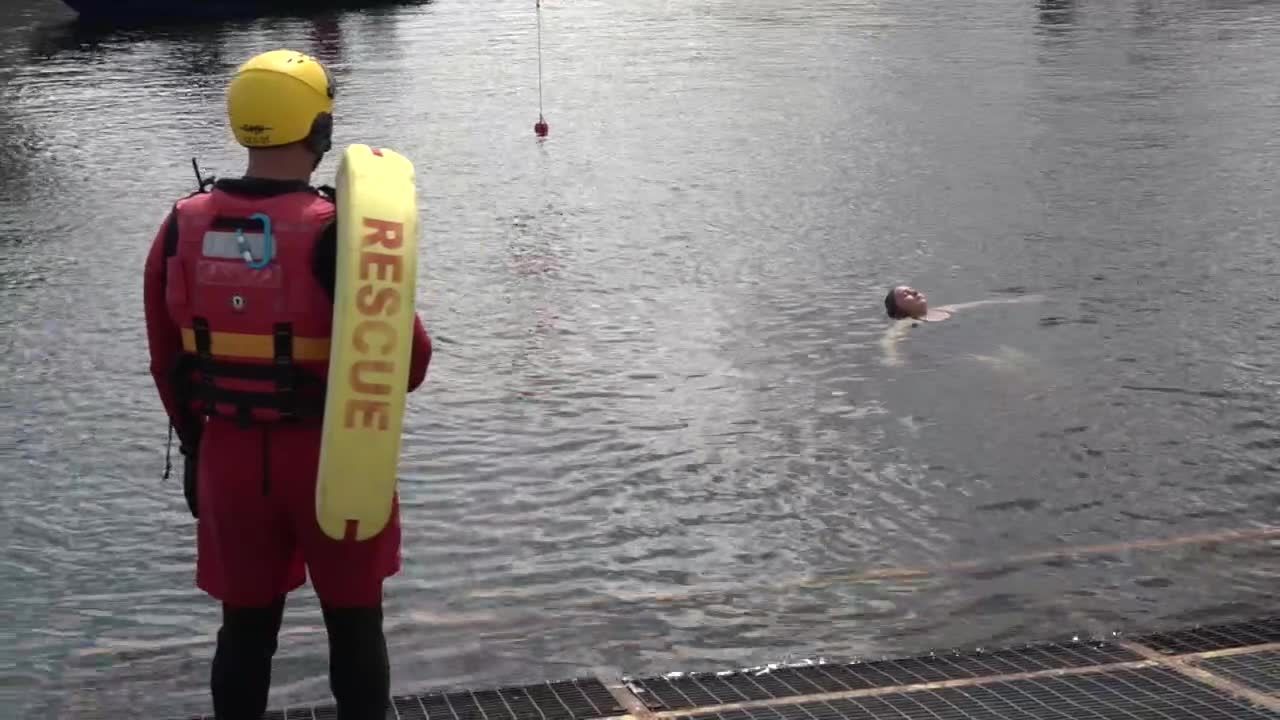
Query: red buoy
[540,128]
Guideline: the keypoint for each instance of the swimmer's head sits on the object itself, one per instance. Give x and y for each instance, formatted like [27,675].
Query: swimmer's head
[905,302]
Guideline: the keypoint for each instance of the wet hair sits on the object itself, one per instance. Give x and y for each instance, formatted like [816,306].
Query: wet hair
[891,306]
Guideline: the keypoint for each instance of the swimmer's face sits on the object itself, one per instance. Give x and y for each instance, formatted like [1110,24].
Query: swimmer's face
[910,301]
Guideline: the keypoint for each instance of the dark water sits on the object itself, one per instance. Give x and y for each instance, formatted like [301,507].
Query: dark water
[659,432]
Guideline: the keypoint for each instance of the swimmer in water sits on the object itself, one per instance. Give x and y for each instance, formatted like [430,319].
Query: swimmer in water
[905,302]
[909,307]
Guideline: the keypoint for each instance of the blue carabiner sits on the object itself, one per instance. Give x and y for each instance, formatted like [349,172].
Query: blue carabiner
[268,243]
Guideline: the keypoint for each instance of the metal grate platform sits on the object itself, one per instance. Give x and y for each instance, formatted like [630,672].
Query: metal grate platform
[1157,676]
[1216,637]
[704,689]
[1258,671]
[567,700]
[1150,693]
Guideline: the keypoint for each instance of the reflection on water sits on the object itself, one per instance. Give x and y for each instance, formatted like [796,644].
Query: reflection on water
[1056,15]
[658,432]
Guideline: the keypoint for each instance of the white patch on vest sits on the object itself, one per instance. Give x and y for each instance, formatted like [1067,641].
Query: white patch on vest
[227,245]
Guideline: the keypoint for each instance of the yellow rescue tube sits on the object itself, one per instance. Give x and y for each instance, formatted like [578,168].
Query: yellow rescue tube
[373,310]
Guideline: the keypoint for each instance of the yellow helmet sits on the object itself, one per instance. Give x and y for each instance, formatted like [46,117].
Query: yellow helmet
[281,97]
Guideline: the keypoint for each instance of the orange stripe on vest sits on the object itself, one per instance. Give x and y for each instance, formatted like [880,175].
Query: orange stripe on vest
[258,347]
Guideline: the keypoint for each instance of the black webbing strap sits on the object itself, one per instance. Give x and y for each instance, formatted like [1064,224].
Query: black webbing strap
[285,399]
[171,233]
[204,360]
[284,370]
[241,371]
[225,222]
[311,407]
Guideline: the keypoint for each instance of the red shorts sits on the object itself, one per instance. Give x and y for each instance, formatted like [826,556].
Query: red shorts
[257,532]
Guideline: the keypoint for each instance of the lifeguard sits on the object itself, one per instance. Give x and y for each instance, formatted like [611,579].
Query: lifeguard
[240,298]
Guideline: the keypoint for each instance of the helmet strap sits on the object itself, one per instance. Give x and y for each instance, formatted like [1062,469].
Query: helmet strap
[320,139]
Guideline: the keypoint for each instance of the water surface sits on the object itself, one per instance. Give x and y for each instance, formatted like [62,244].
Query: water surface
[659,432]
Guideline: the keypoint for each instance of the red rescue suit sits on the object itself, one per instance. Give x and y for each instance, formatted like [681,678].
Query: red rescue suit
[238,298]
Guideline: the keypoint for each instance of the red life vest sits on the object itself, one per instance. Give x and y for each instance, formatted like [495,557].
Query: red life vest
[255,321]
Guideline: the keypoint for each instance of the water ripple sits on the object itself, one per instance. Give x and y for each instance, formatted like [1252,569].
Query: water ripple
[658,432]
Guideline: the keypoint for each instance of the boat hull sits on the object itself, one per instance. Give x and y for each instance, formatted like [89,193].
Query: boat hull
[116,11]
